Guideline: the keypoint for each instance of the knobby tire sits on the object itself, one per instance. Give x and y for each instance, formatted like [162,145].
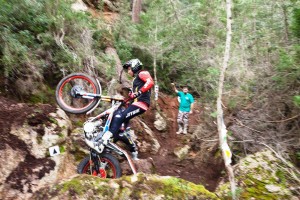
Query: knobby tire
[76,105]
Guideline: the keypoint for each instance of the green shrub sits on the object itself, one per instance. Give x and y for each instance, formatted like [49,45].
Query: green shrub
[296,100]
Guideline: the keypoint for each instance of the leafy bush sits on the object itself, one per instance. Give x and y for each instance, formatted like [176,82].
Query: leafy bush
[48,36]
[296,22]
[288,71]
[296,100]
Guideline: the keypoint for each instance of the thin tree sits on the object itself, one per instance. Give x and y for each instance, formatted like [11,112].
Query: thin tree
[221,125]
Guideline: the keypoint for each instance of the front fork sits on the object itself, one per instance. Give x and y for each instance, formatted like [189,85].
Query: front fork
[94,159]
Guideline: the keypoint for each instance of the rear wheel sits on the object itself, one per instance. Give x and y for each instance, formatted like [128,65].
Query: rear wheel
[66,93]
[109,167]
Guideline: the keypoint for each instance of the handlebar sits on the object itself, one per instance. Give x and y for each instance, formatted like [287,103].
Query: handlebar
[109,98]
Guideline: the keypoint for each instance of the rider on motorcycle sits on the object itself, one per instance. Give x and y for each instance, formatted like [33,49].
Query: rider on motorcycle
[141,93]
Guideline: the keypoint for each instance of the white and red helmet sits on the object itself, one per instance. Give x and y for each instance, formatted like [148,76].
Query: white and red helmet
[135,65]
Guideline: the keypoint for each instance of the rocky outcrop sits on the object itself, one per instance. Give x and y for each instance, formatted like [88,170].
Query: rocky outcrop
[79,6]
[263,176]
[145,146]
[160,123]
[27,133]
[182,153]
[140,186]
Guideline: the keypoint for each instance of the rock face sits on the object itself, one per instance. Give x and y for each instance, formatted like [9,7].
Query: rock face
[160,123]
[79,6]
[154,145]
[27,132]
[262,176]
[182,152]
[140,186]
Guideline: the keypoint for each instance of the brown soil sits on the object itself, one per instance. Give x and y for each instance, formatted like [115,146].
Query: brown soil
[201,166]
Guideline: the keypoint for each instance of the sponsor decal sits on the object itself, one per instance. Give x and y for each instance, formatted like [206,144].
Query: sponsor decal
[132,112]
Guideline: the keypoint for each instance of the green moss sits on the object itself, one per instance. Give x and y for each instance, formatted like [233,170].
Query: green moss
[78,154]
[78,123]
[262,172]
[257,189]
[125,194]
[74,185]
[232,104]
[127,178]
[281,175]
[174,187]
[146,187]
[39,139]
[53,120]
[61,135]
[246,163]
[62,149]
[40,98]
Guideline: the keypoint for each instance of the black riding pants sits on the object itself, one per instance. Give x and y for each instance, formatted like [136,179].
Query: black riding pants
[124,117]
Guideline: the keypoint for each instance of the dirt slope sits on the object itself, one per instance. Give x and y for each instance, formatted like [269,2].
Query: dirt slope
[201,166]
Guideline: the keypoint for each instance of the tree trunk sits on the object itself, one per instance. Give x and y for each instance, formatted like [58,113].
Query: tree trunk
[286,24]
[155,52]
[221,125]
[136,10]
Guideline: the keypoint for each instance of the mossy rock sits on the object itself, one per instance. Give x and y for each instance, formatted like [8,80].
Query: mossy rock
[260,176]
[140,186]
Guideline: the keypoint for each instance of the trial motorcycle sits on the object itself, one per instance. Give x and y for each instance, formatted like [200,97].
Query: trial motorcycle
[80,93]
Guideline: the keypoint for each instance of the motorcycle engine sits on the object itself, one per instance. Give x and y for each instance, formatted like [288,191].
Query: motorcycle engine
[92,129]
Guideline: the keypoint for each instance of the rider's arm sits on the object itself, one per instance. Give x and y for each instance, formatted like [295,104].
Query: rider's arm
[174,87]
[146,77]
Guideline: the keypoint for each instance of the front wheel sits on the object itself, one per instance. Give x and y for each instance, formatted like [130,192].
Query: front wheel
[67,98]
[108,166]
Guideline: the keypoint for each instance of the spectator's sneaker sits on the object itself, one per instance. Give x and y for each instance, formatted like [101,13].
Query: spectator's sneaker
[179,131]
[185,128]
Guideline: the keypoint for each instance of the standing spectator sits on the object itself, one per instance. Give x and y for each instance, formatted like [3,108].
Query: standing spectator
[186,106]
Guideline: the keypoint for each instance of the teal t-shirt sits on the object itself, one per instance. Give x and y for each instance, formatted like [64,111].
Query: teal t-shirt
[185,101]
